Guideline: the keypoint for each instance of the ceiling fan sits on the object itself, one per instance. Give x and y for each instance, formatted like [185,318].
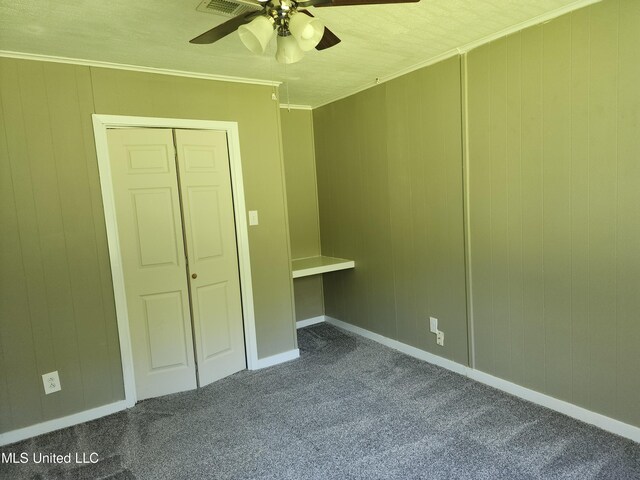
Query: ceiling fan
[297,30]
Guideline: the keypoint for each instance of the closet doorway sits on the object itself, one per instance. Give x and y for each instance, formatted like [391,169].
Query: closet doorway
[175,247]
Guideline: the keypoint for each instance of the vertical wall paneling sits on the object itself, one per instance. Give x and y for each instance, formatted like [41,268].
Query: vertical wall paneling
[553,195]
[480,206]
[452,260]
[552,117]
[308,297]
[513,151]
[376,241]
[602,165]
[326,177]
[389,164]
[63,324]
[300,174]
[468,262]
[532,209]
[66,119]
[556,165]
[579,202]
[19,391]
[57,310]
[302,205]
[26,155]
[400,118]
[628,217]
[499,208]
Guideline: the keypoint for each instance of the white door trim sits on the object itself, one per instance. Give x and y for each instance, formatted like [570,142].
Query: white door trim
[100,125]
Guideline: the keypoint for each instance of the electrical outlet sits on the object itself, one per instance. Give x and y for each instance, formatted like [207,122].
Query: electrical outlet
[51,382]
[253,217]
[433,325]
[440,338]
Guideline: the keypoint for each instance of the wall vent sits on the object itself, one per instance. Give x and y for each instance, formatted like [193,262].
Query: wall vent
[228,8]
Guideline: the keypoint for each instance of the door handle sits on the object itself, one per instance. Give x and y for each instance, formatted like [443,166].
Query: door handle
[194,275]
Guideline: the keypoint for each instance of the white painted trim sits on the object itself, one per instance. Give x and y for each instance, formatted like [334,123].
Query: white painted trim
[545,17]
[334,267]
[58,423]
[467,47]
[115,256]
[242,239]
[402,347]
[425,63]
[100,125]
[380,80]
[307,322]
[135,68]
[277,359]
[606,423]
[466,206]
[291,106]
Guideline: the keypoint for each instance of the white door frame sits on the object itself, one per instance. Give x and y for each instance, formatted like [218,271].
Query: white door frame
[101,123]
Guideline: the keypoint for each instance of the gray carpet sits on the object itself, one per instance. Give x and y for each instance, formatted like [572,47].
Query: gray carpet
[348,409]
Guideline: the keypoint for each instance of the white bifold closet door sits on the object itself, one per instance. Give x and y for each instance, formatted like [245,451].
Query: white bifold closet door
[176,229]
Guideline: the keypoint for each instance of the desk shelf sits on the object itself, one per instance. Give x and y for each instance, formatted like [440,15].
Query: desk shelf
[304,267]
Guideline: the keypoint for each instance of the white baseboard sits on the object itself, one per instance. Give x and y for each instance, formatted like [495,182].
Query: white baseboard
[307,322]
[606,423]
[64,422]
[88,415]
[402,347]
[276,359]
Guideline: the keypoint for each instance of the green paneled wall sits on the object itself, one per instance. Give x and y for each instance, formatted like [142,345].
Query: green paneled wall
[389,163]
[57,310]
[555,208]
[300,172]
[553,189]
[56,306]
[302,201]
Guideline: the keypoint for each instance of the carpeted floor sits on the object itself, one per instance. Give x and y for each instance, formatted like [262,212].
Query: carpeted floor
[347,409]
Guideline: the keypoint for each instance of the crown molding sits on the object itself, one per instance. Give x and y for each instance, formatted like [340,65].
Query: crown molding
[222,78]
[399,73]
[546,17]
[136,68]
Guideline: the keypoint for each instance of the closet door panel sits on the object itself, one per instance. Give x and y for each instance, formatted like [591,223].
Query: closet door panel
[147,204]
[209,226]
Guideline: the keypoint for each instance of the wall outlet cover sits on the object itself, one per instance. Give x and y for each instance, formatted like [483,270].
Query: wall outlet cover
[440,338]
[51,382]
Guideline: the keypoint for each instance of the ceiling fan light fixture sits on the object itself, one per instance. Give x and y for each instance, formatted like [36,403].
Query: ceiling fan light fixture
[288,50]
[257,34]
[308,31]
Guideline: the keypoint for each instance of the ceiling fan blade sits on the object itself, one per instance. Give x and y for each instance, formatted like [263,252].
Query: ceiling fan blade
[342,3]
[329,39]
[224,29]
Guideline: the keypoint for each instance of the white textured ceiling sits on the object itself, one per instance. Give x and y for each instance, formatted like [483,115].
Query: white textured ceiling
[377,40]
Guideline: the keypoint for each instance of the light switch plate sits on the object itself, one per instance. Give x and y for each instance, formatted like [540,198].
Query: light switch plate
[253,217]
[433,325]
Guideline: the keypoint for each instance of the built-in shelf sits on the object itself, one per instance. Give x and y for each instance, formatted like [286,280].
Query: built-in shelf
[303,267]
